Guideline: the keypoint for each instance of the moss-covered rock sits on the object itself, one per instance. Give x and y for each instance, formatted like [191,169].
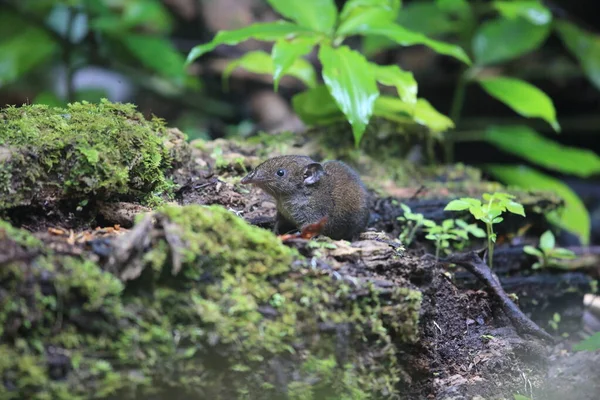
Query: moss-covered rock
[105,150]
[242,317]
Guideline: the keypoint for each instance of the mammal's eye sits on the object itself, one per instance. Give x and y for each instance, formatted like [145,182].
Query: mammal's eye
[281,172]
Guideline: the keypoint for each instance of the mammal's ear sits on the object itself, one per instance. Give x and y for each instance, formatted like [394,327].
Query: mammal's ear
[312,173]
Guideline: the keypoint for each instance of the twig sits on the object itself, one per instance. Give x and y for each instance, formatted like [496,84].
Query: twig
[474,264]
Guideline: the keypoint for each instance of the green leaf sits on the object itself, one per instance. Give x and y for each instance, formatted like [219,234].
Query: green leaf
[504,39]
[404,81]
[262,31]
[23,51]
[532,251]
[316,106]
[422,113]
[524,98]
[520,139]
[351,7]
[534,11]
[515,208]
[317,15]
[563,253]
[371,23]
[574,217]
[286,52]
[547,240]
[157,54]
[351,83]
[435,18]
[457,205]
[425,114]
[260,62]
[585,46]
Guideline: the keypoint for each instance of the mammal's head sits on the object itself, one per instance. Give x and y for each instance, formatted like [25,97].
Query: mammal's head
[285,175]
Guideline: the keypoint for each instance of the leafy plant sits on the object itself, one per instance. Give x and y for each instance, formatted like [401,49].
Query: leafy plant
[488,212]
[555,321]
[413,223]
[495,34]
[129,37]
[451,230]
[547,254]
[350,88]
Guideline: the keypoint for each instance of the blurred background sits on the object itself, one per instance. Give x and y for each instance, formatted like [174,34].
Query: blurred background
[55,52]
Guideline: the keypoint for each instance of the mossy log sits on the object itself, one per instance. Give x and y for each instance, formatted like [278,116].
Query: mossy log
[84,152]
[204,305]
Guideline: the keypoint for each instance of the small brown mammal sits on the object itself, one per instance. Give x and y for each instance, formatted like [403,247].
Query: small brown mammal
[306,191]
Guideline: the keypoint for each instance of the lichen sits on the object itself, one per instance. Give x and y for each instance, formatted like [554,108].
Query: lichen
[107,150]
[246,317]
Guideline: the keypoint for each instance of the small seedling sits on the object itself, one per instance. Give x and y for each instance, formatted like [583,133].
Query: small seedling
[554,321]
[547,254]
[488,212]
[414,222]
[451,230]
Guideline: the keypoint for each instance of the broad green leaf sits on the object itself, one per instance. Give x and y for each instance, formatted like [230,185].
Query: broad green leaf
[422,113]
[425,114]
[371,23]
[351,83]
[260,62]
[153,15]
[23,51]
[547,240]
[158,54]
[428,18]
[585,46]
[524,98]
[357,6]
[286,52]
[534,11]
[457,205]
[318,15]
[316,106]
[532,251]
[505,39]
[563,253]
[590,344]
[404,81]
[515,208]
[520,139]
[262,31]
[456,6]
[574,217]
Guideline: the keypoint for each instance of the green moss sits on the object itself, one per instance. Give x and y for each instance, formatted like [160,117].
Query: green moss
[245,317]
[106,150]
[20,236]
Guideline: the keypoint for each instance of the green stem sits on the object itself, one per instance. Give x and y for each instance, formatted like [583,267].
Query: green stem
[437,250]
[490,232]
[458,102]
[412,234]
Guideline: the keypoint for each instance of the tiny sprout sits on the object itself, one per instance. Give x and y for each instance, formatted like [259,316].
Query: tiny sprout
[546,253]
[414,222]
[451,230]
